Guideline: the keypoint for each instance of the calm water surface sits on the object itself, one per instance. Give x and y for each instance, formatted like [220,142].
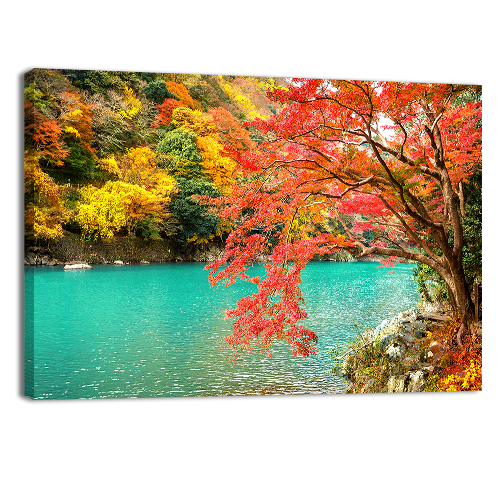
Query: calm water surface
[158,330]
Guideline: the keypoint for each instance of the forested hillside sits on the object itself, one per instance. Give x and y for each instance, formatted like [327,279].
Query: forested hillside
[113,154]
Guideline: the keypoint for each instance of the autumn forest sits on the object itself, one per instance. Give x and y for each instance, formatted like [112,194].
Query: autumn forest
[274,170]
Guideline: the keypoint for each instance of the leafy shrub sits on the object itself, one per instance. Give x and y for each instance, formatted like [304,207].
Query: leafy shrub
[157,91]
[190,213]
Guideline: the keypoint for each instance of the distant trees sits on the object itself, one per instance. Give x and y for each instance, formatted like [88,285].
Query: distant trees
[99,143]
[230,130]
[165,112]
[45,212]
[179,153]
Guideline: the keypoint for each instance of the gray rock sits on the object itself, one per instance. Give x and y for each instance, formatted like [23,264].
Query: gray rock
[349,366]
[366,388]
[30,259]
[69,267]
[386,341]
[396,351]
[419,334]
[396,383]
[416,381]
[403,339]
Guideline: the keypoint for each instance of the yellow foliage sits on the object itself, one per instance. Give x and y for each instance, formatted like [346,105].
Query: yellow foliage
[200,123]
[75,113]
[251,111]
[72,130]
[164,185]
[117,204]
[47,213]
[473,377]
[110,165]
[304,225]
[134,106]
[219,168]
[472,380]
[198,240]
[102,212]
[46,224]
[138,165]
[44,184]
[223,226]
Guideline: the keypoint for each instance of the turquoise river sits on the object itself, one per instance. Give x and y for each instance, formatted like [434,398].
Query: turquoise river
[158,330]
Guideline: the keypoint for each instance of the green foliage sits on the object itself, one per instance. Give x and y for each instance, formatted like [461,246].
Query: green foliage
[101,81]
[148,229]
[31,93]
[157,91]
[178,153]
[180,143]
[193,217]
[429,284]
[473,229]
[148,77]
[80,162]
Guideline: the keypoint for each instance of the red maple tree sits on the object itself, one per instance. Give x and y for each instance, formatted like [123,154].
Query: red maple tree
[395,153]
[165,111]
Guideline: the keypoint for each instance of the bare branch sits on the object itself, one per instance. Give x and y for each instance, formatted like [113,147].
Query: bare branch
[412,234]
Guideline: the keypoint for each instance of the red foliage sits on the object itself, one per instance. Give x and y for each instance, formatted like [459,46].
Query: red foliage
[327,150]
[165,111]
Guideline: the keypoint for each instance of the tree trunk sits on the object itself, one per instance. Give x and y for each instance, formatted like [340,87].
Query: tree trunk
[465,307]
[458,290]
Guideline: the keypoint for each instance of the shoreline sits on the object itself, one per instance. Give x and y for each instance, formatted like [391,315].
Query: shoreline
[406,345]
[71,249]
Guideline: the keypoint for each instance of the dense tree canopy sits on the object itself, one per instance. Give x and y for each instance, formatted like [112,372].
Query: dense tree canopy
[96,139]
[396,154]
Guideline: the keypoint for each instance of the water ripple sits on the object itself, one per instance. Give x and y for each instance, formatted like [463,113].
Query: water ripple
[158,330]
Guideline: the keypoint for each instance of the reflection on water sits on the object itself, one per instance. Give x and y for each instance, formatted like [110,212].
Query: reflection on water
[158,330]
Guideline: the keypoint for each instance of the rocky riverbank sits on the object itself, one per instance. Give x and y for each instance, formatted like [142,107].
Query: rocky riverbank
[399,355]
[71,249]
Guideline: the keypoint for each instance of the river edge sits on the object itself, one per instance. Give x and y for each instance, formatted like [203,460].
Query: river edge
[400,354]
[72,249]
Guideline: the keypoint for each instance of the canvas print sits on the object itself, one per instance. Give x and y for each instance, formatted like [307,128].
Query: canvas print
[216,235]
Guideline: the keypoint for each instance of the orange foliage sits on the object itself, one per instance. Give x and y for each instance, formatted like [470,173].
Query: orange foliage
[461,366]
[218,167]
[183,94]
[138,165]
[77,116]
[48,141]
[230,130]
[46,214]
